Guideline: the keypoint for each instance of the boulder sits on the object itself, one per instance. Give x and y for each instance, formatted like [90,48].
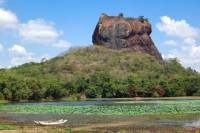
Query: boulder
[118,32]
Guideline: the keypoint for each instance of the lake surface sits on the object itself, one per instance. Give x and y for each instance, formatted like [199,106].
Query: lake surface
[111,101]
[179,120]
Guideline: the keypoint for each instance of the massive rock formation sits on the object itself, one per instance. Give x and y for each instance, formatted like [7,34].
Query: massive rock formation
[118,32]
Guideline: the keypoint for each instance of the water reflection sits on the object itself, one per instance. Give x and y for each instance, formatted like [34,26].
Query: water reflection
[194,124]
[189,120]
[111,101]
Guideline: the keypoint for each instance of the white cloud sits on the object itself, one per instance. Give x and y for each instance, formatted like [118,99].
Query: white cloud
[170,43]
[34,31]
[1,66]
[175,28]
[15,61]
[62,44]
[185,46]
[19,55]
[1,48]
[188,54]
[8,19]
[17,50]
[38,31]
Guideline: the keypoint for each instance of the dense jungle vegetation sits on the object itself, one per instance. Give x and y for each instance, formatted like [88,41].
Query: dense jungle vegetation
[98,72]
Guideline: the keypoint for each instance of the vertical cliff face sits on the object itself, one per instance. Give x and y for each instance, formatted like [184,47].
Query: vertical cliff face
[119,32]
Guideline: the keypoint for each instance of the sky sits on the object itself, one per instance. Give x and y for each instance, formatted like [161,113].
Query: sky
[34,29]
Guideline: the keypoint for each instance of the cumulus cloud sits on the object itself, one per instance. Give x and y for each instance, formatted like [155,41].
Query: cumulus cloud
[185,46]
[188,54]
[170,43]
[175,28]
[35,31]
[1,48]
[15,61]
[8,19]
[17,50]
[38,31]
[62,44]
[19,55]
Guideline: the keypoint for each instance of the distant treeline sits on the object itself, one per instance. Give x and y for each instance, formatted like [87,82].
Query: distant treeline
[97,72]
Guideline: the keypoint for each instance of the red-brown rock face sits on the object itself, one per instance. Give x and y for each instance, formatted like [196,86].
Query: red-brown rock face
[118,32]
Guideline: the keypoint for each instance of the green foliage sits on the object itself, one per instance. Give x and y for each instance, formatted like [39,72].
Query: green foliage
[55,90]
[20,90]
[100,84]
[143,19]
[98,72]
[197,93]
[36,88]
[7,127]
[140,18]
[129,108]
[1,96]
[7,94]
[120,15]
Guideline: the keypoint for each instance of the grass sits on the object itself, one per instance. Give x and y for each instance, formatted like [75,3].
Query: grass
[150,107]
[19,129]
[130,126]
[7,127]
[182,108]
[71,130]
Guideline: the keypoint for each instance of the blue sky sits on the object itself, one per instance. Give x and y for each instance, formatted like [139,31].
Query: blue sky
[33,29]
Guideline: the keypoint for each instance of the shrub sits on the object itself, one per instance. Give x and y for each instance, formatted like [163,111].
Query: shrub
[120,15]
[1,96]
[142,19]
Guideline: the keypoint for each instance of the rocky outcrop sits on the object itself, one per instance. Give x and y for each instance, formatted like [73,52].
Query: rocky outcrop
[118,32]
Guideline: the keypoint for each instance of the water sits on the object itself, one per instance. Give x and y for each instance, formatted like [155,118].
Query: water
[111,101]
[186,120]
[74,120]
[195,124]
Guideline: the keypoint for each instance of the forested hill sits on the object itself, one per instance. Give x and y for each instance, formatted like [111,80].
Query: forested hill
[98,72]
